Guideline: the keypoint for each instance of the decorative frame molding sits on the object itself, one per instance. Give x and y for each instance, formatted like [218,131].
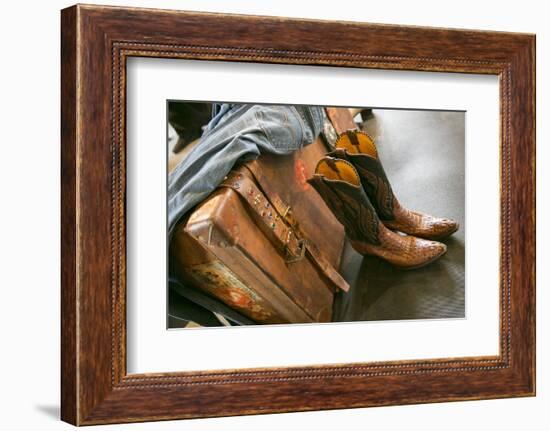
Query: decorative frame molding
[96,41]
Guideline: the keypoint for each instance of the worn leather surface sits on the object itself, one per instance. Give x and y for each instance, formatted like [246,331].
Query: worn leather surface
[288,175]
[340,118]
[276,219]
[223,250]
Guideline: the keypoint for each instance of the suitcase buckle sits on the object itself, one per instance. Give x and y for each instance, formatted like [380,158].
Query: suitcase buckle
[286,212]
[288,217]
[301,252]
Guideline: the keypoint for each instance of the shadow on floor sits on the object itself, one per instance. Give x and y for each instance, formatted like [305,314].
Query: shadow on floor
[382,292]
[52,411]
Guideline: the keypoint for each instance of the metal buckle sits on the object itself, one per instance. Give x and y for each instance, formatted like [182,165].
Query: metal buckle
[302,252]
[288,217]
[287,210]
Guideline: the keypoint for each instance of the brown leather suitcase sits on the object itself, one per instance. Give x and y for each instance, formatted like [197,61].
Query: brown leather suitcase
[264,242]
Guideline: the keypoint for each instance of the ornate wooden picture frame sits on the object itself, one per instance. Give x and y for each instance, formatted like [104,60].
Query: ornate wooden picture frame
[96,42]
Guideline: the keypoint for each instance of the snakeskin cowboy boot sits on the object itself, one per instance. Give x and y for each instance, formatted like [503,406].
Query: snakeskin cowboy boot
[359,149]
[339,185]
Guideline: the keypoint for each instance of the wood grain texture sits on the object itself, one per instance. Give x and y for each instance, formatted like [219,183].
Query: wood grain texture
[68,218]
[96,41]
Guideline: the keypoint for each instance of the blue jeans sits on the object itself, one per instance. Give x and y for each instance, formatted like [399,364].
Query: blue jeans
[237,133]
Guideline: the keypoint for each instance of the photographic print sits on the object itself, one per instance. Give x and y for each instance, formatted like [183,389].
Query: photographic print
[287,214]
[276,212]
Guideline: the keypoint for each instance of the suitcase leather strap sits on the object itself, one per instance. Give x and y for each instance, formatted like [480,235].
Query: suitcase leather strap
[341,119]
[316,255]
[266,215]
[276,220]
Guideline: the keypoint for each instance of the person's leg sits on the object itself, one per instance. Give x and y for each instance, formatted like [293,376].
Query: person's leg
[240,134]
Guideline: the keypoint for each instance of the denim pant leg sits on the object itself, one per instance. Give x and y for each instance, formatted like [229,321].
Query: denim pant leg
[238,133]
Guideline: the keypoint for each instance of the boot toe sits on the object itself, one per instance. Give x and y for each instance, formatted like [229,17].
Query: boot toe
[444,227]
[434,228]
[437,249]
[427,252]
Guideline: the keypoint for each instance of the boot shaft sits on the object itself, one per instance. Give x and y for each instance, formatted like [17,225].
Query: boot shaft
[339,185]
[359,149]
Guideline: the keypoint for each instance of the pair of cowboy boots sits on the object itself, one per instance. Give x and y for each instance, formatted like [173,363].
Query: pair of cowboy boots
[352,182]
